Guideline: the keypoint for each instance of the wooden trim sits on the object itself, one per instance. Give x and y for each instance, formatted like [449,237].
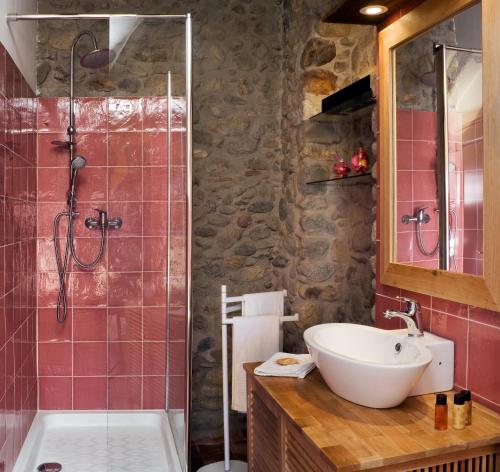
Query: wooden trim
[465,288]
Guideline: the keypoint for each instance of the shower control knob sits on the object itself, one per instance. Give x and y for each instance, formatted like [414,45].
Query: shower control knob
[115,223]
[91,223]
[103,217]
[407,219]
[422,216]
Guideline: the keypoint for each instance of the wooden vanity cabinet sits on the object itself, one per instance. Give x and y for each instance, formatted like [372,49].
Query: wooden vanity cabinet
[276,443]
[299,425]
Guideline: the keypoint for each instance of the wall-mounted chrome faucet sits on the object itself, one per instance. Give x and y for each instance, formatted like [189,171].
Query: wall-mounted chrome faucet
[421,217]
[102,221]
[412,316]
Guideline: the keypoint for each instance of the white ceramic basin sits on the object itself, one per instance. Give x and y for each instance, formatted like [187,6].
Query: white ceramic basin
[365,365]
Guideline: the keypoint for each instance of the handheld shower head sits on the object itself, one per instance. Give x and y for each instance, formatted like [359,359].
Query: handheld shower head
[78,163]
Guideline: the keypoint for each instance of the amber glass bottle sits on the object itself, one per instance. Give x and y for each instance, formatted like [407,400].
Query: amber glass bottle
[441,412]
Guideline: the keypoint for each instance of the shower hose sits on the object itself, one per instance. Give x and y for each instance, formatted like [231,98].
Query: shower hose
[453,231]
[62,262]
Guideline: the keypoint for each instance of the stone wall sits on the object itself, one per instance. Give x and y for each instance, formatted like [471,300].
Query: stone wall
[415,63]
[326,249]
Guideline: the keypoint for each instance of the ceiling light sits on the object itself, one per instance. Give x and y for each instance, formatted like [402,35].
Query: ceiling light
[373,10]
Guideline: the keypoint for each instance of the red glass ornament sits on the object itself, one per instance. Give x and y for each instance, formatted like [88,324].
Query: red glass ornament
[359,161]
[340,167]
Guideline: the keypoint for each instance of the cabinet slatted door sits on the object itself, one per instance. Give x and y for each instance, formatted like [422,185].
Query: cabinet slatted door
[265,429]
[483,463]
[299,457]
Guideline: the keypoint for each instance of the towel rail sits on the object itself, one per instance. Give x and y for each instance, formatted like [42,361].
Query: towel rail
[237,305]
[283,319]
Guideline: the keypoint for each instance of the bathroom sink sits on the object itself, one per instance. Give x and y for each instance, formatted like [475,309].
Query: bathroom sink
[365,365]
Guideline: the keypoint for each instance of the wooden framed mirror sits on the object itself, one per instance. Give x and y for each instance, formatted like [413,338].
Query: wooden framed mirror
[440,271]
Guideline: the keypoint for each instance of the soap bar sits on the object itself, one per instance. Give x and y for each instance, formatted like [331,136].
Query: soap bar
[287,361]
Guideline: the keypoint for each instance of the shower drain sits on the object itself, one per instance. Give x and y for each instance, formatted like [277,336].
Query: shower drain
[49,467]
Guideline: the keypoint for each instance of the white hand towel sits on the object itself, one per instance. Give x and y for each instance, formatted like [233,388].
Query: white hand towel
[263,303]
[272,369]
[255,338]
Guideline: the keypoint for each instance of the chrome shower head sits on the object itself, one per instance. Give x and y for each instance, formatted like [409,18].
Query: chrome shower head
[429,78]
[97,58]
[78,163]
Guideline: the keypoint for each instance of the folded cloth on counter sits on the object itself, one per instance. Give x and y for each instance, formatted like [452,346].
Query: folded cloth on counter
[272,369]
[255,338]
[263,303]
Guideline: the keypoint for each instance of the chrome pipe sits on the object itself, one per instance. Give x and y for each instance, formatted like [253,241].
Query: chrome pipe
[443,158]
[456,48]
[86,16]
[169,224]
[189,203]
[71,129]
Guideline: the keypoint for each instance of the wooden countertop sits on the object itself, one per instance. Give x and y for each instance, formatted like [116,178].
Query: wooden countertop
[355,438]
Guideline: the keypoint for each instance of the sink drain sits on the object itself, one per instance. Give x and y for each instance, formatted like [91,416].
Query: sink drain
[49,467]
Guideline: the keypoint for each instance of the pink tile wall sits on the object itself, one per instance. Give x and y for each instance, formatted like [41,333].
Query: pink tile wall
[475,331]
[471,146]
[416,187]
[18,382]
[112,351]
[416,184]
[456,191]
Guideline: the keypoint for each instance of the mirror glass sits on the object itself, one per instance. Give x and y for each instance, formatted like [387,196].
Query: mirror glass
[438,142]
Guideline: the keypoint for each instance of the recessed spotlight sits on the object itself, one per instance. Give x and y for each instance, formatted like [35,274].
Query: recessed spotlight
[373,10]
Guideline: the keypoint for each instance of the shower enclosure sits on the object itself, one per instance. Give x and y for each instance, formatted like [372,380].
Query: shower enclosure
[114,201]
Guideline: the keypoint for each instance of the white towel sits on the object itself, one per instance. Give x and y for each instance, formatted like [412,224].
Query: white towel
[255,338]
[263,303]
[272,369]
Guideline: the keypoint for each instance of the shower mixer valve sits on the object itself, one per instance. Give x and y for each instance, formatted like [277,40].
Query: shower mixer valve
[102,221]
[421,217]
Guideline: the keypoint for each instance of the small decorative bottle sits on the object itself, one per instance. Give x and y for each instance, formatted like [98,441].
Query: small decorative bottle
[468,406]
[459,411]
[441,412]
[340,167]
[359,160]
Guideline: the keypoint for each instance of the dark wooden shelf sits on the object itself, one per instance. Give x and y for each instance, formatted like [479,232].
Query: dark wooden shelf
[336,179]
[325,117]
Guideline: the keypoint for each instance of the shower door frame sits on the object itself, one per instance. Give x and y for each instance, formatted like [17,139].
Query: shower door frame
[13,17]
[443,161]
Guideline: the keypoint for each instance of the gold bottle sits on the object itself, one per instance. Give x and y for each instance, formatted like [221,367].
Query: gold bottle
[468,406]
[459,411]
